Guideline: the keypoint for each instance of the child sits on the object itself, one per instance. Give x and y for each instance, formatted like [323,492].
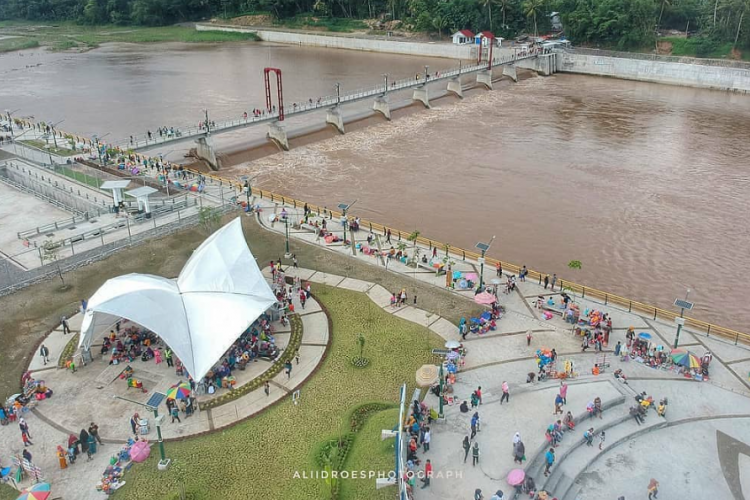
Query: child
[589,437]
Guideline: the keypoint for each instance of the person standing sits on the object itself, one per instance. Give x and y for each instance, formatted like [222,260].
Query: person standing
[267,388]
[506,393]
[519,450]
[564,392]
[549,460]
[94,432]
[26,440]
[478,494]
[44,353]
[499,269]
[294,261]
[427,474]
[24,427]
[479,395]
[62,457]
[467,447]
[474,424]
[653,489]
[27,455]
[288,368]
[65,325]
[175,414]
[475,454]
[134,423]
[388,236]
[83,439]
[546,281]
[168,356]
[553,281]
[528,338]
[426,440]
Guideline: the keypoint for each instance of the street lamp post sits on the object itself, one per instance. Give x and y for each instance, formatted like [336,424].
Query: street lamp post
[54,135]
[385,76]
[208,127]
[157,398]
[338,93]
[247,186]
[440,413]
[682,304]
[344,207]
[426,69]
[483,247]
[10,120]
[287,254]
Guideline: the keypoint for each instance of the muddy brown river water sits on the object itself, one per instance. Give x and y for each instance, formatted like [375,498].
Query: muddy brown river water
[647,185]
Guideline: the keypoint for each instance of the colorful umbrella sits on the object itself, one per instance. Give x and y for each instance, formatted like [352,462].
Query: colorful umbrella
[644,335]
[179,391]
[685,358]
[40,491]
[427,375]
[140,451]
[516,477]
[485,298]
[452,344]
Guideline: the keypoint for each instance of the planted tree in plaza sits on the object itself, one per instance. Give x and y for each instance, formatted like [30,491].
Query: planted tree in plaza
[209,218]
[50,253]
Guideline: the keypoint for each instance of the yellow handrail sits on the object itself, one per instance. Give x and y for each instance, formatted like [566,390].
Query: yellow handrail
[632,305]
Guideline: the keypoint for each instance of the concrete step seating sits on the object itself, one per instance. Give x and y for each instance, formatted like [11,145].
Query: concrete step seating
[581,458]
[613,409]
[573,457]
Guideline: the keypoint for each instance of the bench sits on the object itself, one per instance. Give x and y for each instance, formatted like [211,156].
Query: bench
[309,227]
[553,310]
[437,270]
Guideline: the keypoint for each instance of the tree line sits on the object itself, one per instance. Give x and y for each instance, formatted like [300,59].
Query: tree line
[610,23]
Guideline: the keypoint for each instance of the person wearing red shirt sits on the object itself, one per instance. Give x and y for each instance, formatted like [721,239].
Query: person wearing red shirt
[427,474]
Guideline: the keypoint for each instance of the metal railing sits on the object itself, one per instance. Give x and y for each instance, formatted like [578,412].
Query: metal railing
[53,226]
[655,57]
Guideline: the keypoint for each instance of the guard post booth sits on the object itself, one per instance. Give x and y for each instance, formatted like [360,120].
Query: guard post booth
[116,187]
[141,195]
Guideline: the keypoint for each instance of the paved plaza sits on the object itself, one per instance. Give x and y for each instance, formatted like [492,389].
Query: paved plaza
[695,452]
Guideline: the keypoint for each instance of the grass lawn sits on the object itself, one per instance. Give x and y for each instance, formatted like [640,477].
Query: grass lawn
[79,176]
[66,36]
[8,493]
[268,449]
[370,453]
[40,144]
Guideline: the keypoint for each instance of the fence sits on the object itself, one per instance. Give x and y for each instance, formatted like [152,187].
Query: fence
[13,279]
[655,57]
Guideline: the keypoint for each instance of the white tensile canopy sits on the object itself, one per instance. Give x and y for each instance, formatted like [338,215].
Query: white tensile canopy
[218,294]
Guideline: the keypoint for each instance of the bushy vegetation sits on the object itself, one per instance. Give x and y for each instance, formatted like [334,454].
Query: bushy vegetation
[67,35]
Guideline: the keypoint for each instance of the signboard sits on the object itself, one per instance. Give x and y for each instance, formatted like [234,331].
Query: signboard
[683,304]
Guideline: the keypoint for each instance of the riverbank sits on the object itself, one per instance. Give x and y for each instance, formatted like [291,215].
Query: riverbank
[385,44]
[16,36]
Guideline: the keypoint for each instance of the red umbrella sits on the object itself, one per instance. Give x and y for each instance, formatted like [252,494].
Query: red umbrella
[485,298]
[140,451]
[516,477]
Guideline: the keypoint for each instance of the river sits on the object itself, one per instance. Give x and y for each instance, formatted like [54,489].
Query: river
[647,185]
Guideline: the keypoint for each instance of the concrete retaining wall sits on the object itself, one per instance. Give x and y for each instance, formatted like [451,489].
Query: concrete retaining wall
[346,42]
[672,73]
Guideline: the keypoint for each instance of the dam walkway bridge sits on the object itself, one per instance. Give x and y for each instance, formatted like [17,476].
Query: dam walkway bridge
[275,116]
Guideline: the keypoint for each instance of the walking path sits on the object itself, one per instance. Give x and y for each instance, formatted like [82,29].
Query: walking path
[684,451]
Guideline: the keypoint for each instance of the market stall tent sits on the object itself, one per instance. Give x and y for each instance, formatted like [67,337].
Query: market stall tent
[217,296]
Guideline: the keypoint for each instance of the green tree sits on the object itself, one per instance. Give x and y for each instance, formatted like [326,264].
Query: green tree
[533,8]
[440,23]
[487,4]
[50,253]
